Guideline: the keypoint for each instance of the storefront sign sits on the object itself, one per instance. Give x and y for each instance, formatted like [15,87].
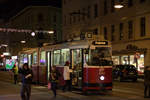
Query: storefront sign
[131,47]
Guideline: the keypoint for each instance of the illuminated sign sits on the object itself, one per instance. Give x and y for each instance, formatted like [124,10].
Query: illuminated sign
[100,43]
[10,63]
[6,53]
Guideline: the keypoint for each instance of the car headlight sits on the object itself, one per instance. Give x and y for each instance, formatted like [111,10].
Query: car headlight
[102,78]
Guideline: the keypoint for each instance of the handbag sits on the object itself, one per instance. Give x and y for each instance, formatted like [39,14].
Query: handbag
[49,85]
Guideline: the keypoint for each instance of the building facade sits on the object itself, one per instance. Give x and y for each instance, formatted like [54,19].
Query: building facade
[127,28]
[41,18]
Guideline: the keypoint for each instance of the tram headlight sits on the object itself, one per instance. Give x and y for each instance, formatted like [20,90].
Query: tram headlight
[102,78]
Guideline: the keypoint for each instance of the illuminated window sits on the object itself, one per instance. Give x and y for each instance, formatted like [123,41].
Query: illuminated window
[43,58]
[56,57]
[65,56]
[35,58]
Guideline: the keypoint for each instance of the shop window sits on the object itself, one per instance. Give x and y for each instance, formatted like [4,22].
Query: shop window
[115,60]
[43,58]
[139,63]
[124,60]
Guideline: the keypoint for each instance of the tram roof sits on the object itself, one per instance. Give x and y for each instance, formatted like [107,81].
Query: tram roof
[70,45]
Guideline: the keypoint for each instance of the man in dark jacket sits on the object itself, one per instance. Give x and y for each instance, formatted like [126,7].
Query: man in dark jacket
[26,75]
[147,82]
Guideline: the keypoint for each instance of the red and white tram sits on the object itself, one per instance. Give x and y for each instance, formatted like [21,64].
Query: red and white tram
[90,61]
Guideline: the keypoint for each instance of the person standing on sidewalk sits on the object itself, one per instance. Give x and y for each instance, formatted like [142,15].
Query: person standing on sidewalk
[147,82]
[66,75]
[27,75]
[54,80]
[15,71]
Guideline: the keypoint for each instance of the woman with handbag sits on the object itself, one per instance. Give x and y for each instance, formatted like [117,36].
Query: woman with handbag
[54,80]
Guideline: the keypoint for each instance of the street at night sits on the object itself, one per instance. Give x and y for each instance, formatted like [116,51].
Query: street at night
[121,91]
[79,49]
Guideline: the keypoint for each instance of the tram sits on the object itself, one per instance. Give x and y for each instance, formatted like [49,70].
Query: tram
[90,61]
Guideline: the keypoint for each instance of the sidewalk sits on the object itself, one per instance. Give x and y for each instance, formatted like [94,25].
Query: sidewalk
[78,95]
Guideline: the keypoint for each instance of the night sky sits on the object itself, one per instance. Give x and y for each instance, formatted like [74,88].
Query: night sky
[9,8]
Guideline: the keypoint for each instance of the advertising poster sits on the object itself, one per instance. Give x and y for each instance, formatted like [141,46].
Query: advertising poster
[10,63]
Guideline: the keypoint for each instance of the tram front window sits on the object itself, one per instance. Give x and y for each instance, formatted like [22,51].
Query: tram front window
[100,56]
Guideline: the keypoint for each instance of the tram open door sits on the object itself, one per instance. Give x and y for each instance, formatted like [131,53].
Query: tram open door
[77,67]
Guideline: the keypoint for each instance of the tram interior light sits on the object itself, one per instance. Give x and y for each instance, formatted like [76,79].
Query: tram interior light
[4,45]
[23,41]
[118,6]
[6,53]
[51,32]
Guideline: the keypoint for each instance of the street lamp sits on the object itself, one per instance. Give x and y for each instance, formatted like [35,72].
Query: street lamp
[118,6]
[33,34]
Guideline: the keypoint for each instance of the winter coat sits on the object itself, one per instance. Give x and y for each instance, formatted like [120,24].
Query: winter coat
[147,77]
[24,73]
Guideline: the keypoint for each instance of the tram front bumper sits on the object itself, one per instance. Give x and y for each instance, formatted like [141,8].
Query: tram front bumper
[97,86]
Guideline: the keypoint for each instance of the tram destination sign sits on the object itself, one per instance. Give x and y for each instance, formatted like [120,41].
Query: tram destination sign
[100,42]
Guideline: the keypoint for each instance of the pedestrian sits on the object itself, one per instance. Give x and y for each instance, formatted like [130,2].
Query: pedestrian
[15,71]
[27,75]
[66,75]
[147,82]
[54,75]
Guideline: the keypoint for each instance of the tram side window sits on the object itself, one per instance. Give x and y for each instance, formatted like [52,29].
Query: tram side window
[34,58]
[25,58]
[65,56]
[29,60]
[43,58]
[56,57]
[21,60]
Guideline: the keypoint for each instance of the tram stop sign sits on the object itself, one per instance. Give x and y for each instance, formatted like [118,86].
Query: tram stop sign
[10,63]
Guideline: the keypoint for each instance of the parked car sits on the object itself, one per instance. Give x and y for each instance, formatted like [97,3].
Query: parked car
[125,72]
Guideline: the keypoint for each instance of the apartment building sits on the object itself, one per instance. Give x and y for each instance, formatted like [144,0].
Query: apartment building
[35,18]
[127,28]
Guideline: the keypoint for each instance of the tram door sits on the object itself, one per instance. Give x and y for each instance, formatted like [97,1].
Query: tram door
[77,68]
[48,56]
